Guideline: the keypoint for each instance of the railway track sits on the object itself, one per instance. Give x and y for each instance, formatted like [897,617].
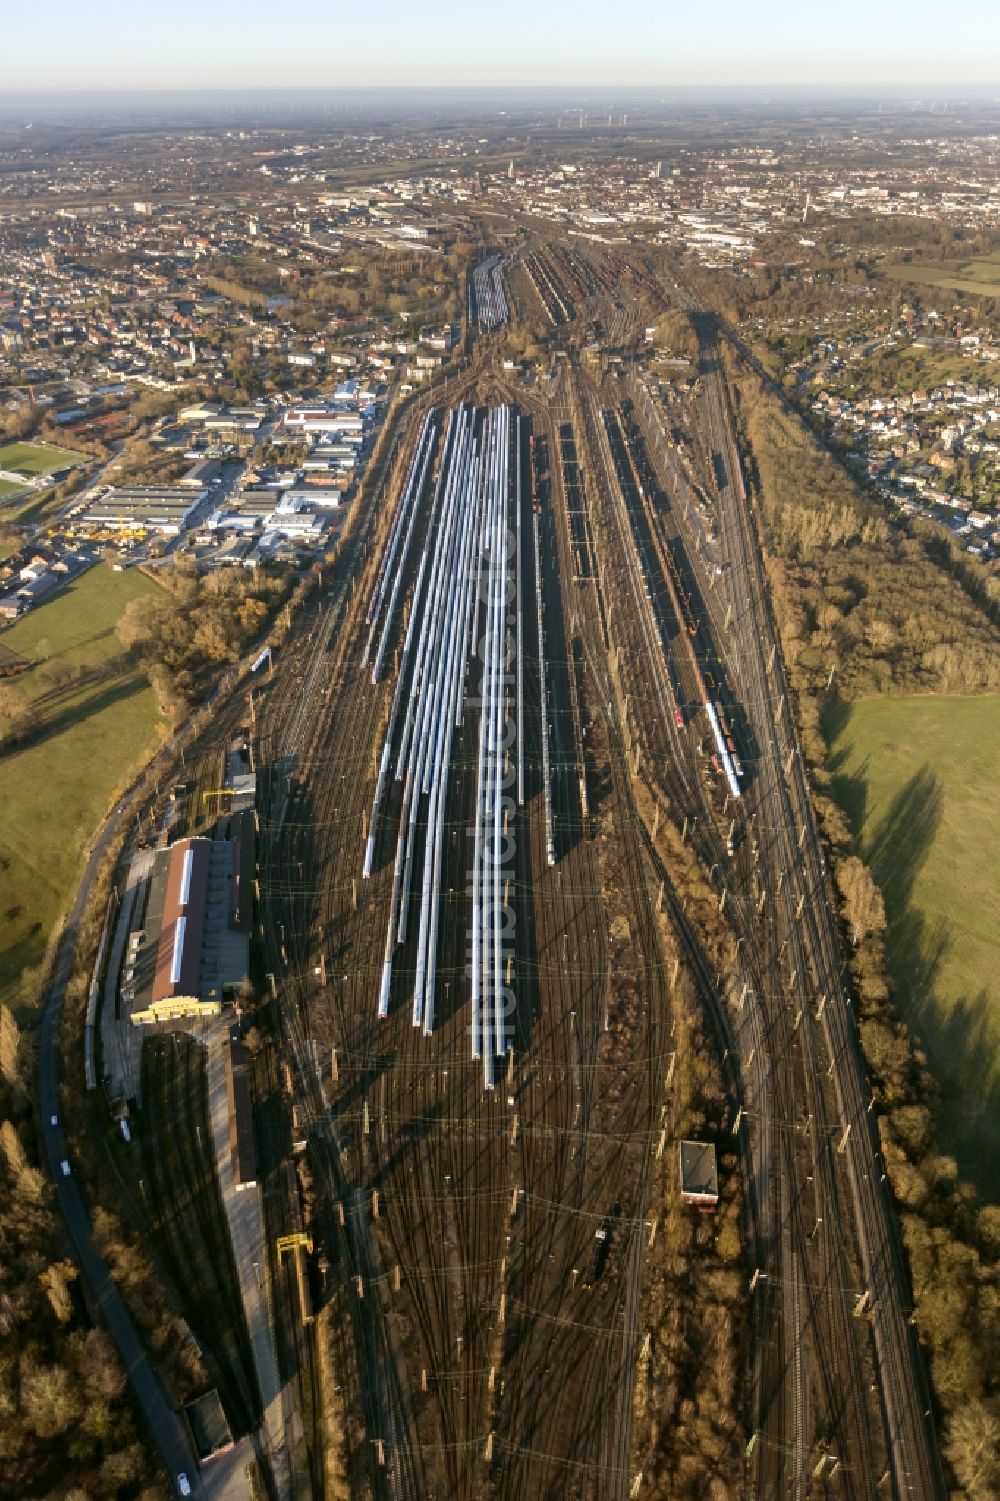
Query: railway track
[781,1412]
[608,1347]
[674,768]
[489,307]
[192,1232]
[466,1328]
[488,1356]
[831,1044]
[807,1355]
[468,1214]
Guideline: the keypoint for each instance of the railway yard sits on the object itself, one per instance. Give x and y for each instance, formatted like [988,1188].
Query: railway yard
[488,305]
[535,697]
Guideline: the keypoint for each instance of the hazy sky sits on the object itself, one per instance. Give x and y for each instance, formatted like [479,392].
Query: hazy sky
[322,43]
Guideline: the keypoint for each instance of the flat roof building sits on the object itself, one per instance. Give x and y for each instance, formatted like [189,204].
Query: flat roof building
[699,1174]
[323,420]
[239,1096]
[201,474]
[209,1426]
[157,508]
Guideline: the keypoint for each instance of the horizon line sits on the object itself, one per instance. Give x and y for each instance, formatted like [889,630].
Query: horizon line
[616,86]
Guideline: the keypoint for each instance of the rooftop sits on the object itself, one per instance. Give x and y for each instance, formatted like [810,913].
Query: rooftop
[699,1173]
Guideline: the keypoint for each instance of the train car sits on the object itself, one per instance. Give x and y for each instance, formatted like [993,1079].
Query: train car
[725,759]
[683,598]
[601,1247]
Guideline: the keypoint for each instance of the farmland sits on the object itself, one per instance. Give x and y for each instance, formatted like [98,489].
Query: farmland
[95,720]
[920,780]
[981,275]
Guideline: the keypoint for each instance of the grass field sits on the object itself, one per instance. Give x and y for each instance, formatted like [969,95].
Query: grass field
[8,487]
[93,729]
[981,275]
[36,458]
[920,780]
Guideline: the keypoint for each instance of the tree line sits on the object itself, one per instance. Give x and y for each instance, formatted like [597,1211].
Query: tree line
[888,608]
[196,624]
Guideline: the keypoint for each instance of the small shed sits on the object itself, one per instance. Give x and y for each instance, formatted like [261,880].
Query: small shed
[209,1426]
[699,1174]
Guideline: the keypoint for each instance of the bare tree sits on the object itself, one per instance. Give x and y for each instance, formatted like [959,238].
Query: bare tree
[863,904]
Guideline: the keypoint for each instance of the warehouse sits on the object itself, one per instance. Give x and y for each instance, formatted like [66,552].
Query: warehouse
[195,947]
[234,420]
[178,951]
[307,526]
[203,473]
[155,508]
[326,455]
[327,491]
[323,420]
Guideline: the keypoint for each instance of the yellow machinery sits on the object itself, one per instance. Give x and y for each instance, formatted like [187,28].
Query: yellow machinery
[292,1243]
[299,1242]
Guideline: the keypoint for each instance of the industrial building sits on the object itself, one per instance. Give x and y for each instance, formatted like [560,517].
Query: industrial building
[153,508]
[203,473]
[324,420]
[194,949]
[215,417]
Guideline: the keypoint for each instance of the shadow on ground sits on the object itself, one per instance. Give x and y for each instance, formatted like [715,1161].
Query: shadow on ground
[962,1050]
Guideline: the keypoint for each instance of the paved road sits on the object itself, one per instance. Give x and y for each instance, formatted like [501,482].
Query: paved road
[164,1423]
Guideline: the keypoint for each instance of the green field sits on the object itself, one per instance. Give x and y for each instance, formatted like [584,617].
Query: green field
[93,729]
[920,780]
[981,275]
[37,458]
[8,487]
